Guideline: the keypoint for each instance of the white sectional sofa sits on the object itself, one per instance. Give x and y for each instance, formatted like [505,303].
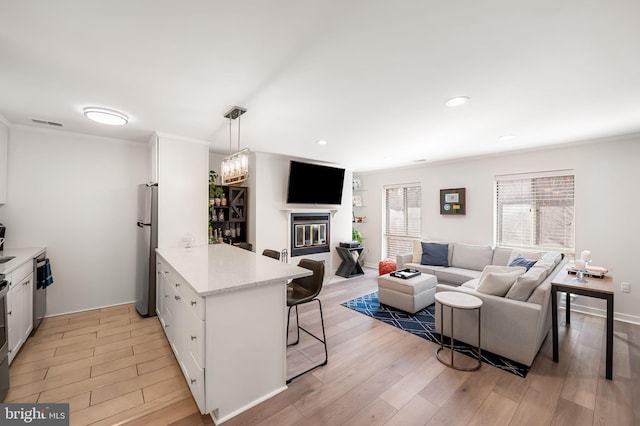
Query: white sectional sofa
[516,316]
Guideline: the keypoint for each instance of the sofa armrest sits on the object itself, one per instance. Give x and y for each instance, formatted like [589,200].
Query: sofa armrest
[401,259]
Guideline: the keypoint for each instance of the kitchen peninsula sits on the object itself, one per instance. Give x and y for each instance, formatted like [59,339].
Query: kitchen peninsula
[223,310]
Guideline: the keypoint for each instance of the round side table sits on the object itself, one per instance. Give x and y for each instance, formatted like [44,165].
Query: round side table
[455,300]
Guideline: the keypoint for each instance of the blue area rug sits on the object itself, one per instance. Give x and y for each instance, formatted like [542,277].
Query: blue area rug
[422,324]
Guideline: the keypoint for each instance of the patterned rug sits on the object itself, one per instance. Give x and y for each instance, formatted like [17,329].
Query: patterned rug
[422,324]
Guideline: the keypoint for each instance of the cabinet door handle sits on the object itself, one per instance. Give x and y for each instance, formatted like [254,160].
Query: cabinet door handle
[193,303]
[10,350]
[166,295]
[193,381]
[9,313]
[177,284]
[177,297]
[193,337]
[166,326]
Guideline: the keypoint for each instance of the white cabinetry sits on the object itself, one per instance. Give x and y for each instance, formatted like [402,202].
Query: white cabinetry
[4,142]
[232,350]
[181,313]
[19,307]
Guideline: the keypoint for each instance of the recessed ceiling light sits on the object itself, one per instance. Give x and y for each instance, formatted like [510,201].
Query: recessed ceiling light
[506,137]
[457,101]
[321,142]
[106,116]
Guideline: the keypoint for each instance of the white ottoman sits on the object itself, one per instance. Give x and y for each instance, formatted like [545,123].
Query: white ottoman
[409,295]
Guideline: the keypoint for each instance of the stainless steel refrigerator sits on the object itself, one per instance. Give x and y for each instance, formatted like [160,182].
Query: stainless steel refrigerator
[147,241]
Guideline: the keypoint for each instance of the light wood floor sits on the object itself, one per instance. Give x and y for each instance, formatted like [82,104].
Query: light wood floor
[114,367]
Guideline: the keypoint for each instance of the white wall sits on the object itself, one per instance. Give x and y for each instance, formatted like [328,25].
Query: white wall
[183,196]
[268,214]
[76,195]
[607,205]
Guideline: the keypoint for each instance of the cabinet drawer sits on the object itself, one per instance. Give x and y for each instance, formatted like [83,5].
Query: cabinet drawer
[194,338]
[195,380]
[191,298]
[21,272]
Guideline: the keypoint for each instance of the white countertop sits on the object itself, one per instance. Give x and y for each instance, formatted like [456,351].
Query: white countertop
[22,255]
[220,268]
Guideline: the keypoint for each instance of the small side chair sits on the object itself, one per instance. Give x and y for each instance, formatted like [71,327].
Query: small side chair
[271,253]
[305,290]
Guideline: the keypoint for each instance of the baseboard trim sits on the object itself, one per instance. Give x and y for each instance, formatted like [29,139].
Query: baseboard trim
[88,309]
[588,310]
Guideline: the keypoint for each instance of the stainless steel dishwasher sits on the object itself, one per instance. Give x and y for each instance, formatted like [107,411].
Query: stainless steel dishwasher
[39,291]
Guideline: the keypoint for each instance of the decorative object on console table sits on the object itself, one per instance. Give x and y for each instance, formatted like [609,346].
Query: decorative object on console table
[350,267]
[453,202]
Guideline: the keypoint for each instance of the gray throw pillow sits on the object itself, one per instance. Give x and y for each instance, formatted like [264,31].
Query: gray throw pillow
[435,254]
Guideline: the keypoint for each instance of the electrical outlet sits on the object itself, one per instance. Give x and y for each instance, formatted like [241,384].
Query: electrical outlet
[625,287]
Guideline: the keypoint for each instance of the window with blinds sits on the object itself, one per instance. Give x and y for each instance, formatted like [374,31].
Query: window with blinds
[403,205]
[536,211]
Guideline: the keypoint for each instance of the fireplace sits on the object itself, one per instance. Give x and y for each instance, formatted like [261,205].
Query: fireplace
[309,233]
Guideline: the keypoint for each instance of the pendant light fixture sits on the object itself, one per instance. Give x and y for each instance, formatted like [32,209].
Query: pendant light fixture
[235,167]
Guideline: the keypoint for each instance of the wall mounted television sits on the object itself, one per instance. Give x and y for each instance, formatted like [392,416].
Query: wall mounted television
[314,184]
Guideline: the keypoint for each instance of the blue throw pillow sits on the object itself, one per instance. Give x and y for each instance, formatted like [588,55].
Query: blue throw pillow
[435,254]
[520,260]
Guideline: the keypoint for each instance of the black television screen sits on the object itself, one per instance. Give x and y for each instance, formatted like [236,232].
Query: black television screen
[314,184]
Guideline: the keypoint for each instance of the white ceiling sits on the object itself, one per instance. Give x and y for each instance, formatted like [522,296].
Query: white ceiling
[370,77]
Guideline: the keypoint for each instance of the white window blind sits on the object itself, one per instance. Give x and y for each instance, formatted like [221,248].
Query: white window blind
[403,205]
[536,211]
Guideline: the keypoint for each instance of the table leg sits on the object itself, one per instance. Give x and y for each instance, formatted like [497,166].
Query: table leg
[567,305]
[554,321]
[609,373]
[451,337]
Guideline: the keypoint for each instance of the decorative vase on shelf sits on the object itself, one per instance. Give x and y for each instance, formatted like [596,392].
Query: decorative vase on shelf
[223,201]
[217,201]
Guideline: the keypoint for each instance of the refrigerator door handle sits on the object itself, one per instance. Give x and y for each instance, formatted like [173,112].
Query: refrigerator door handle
[141,224]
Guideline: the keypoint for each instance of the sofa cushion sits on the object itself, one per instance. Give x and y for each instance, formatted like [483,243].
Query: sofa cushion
[526,283]
[468,256]
[453,275]
[520,260]
[549,260]
[435,254]
[497,280]
[501,256]
[472,284]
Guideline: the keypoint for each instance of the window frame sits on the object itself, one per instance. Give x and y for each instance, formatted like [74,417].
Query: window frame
[406,235]
[536,207]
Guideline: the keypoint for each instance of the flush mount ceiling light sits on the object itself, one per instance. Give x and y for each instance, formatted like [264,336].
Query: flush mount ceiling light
[235,167]
[321,142]
[506,137]
[106,116]
[457,101]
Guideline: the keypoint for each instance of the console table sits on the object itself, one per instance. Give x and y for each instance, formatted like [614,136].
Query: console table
[601,288]
[349,266]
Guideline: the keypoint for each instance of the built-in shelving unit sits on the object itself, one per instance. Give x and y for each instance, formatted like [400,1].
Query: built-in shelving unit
[359,205]
[230,220]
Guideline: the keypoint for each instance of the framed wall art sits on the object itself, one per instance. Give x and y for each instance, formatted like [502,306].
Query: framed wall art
[452,201]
